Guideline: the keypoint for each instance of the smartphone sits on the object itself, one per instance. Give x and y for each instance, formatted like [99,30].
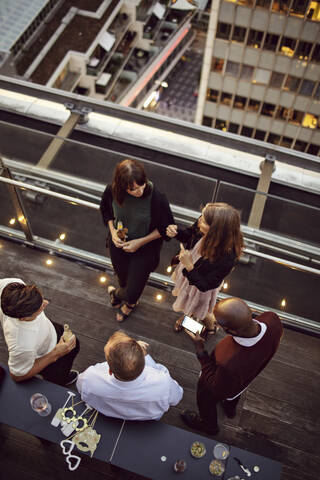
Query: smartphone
[192,325]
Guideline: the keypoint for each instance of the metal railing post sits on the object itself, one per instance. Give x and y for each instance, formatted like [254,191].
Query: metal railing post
[267,168]
[15,196]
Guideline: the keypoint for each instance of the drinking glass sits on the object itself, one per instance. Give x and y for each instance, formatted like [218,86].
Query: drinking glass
[221,451]
[39,403]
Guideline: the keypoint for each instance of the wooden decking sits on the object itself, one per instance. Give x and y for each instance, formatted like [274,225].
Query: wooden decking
[278,414]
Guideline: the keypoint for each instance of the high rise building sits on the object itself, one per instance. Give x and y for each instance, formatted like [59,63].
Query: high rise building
[261,71]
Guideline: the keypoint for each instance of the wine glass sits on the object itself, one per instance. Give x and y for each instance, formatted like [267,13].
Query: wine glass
[39,403]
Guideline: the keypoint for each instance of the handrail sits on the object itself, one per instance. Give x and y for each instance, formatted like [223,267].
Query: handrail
[214,136]
[95,206]
[184,215]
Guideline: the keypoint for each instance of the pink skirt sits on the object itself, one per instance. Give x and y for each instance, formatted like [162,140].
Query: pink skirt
[190,300]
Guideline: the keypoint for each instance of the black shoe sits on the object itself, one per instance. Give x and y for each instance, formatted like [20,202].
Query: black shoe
[229,410]
[193,420]
[72,377]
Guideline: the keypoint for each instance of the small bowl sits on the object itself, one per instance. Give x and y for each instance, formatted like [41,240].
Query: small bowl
[216,468]
[198,449]
[221,451]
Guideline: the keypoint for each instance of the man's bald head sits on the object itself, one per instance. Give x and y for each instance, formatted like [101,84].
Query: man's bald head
[234,316]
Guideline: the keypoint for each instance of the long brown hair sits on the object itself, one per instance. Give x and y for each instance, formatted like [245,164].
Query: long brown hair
[126,174]
[224,235]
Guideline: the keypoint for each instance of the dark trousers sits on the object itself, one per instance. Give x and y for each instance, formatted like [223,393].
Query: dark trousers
[57,372]
[133,269]
[208,407]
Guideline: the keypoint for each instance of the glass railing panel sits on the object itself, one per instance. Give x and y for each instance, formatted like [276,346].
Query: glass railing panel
[181,188]
[280,216]
[8,217]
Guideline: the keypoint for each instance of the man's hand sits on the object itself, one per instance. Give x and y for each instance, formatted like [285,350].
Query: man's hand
[171,231]
[132,245]
[62,347]
[185,258]
[198,341]
[144,346]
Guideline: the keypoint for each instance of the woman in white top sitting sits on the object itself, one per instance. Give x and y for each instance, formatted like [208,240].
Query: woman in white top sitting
[35,344]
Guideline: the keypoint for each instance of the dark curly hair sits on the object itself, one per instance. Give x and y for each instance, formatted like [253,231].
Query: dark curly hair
[19,300]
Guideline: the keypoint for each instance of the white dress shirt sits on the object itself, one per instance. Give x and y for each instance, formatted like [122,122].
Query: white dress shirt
[26,341]
[145,398]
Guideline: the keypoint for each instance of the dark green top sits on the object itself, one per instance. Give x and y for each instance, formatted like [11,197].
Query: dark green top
[135,214]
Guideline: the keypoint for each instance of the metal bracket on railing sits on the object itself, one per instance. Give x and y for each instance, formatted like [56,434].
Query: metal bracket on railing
[82,111]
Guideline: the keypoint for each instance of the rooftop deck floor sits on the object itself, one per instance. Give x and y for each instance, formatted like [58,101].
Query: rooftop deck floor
[278,413]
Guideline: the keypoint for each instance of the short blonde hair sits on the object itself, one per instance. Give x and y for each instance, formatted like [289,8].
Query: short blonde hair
[124,356]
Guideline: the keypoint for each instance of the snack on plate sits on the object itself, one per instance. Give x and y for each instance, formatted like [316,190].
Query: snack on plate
[216,467]
[198,450]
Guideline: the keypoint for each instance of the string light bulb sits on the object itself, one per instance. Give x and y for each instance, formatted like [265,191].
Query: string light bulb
[62,236]
[283,302]
[103,279]
[49,261]
[12,221]
[169,269]
[21,218]
[159,297]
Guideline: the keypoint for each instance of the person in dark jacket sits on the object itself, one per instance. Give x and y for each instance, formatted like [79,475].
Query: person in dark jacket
[234,363]
[136,215]
[215,244]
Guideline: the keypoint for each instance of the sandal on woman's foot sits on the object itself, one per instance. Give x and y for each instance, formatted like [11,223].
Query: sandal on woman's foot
[178,324]
[115,301]
[121,316]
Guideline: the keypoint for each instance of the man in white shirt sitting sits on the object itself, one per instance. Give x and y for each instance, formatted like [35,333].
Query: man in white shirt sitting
[31,338]
[130,384]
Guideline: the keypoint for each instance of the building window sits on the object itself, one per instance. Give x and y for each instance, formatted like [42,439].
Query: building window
[276,80]
[246,3]
[299,7]
[296,117]
[284,113]
[217,64]
[273,138]
[313,149]
[286,142]
[271,42]
[207,121]
[268,109]
[232,68]
[307,88]
[247,131]
[239,102]
[280,6]
[239,34]
[246,72]
[314,11]
[221,125]
[261,76]
[292,83]
[299,145]
[287,46]
[233,127]
[255,38]
[226,98]
[316,53]
[260,135]
[303,50]
[223,30]
[212,95]
[310,121]
[263,3]
[254,105]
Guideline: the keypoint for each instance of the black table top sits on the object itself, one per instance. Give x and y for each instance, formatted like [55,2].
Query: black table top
[141,446]
[15,410]
[268,469]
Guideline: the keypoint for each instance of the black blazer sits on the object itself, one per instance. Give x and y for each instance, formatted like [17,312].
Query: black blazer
[205,275]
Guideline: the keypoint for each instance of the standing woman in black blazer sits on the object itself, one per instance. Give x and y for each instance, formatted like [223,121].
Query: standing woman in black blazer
[132,206]
[214,245]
